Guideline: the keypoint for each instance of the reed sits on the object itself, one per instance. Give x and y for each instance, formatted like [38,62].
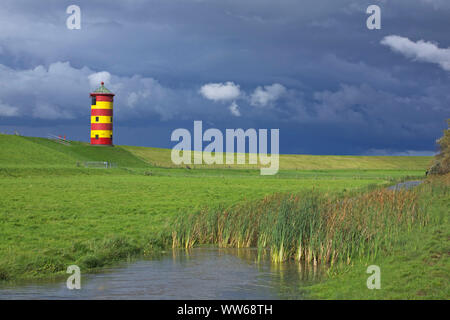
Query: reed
[311,227]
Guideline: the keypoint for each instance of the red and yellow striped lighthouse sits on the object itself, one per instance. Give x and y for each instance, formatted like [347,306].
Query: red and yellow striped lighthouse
[102,116]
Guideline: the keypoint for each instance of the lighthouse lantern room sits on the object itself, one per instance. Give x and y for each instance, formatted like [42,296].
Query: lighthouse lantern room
[102,116]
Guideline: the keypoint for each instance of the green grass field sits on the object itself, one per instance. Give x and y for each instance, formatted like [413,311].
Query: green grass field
[54,212]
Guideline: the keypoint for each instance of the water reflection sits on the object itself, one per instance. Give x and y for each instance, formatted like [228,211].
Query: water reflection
[201,273]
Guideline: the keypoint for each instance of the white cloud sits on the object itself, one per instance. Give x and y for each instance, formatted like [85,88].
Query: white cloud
[234,109]
[262,97]
[229,91]
[96,78]
[420,50]
[46,93]
[61,91]
[220,91]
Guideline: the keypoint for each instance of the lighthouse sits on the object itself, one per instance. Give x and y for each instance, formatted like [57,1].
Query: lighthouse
[102,116]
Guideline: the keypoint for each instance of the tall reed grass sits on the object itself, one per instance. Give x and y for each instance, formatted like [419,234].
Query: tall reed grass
[310,227]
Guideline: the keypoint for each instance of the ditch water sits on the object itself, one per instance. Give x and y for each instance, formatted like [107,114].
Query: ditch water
[405,185]
[201,273]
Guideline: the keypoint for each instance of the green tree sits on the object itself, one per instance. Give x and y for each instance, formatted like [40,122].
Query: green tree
[442,163]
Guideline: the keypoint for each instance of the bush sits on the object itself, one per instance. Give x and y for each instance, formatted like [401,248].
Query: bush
[442,162]
[91,261]
[4,274]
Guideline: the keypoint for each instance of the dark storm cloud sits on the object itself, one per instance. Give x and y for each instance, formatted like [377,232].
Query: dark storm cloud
[310,68]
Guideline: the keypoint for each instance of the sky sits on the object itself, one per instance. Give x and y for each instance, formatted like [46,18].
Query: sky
[309,68]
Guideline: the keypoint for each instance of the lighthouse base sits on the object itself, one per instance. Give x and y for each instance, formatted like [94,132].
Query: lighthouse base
[102,141]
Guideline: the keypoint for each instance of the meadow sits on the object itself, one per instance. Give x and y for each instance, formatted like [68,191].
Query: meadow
[55,212]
